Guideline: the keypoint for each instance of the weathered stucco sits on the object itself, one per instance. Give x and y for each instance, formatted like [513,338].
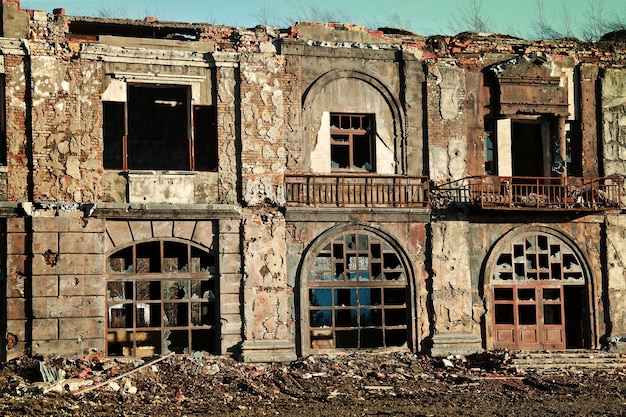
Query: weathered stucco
[434,101]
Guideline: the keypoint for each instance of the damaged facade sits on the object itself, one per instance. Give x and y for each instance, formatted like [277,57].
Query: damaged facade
[270,193]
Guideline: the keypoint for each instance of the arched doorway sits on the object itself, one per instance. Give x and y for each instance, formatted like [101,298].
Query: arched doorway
[355,294]
[538,292]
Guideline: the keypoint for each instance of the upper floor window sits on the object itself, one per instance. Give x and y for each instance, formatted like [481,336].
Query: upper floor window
[352,145]
[157,128]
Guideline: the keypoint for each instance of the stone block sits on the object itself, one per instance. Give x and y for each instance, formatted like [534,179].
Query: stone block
[81,243]
[78,225]
[17,328]
[46,224]
[141,229]
[16,308]
[231,324]
[203,234]
[85,328]
[94,264]
[231,227]
[72,285]
[45,285]
[184,230]
[229,243]
[16,263]
[68,307]
[43,264]
[43,242]
[162,229]
[230,283]
[15,225]
[45,329]
[230,343]
[119,232]
[230,264]
[77,264]
[15,286]
[16,243]
[65,348]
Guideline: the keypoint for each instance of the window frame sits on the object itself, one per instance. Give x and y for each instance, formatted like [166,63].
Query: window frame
[183,300]
[334,278]
[343,125]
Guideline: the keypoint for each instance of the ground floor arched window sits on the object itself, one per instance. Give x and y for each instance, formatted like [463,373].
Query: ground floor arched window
[357,294]
[161,298]
[539,295]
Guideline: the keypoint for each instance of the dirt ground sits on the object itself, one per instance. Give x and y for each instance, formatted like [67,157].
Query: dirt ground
[396,384]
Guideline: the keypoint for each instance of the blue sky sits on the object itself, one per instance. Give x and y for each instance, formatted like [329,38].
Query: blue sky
[426,17]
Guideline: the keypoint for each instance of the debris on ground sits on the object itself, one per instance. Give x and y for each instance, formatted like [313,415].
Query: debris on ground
[481,384]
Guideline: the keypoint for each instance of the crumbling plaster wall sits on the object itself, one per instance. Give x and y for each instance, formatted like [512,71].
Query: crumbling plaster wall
[263,153]
[17,159]
[448,148]
[269,304]
[66,130]
[616,274]
[451,280]
[614,124]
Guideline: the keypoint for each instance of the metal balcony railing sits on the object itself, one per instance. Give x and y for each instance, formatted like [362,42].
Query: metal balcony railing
[353,190]
[546,193]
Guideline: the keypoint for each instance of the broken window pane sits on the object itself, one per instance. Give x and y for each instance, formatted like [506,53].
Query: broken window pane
[320,297]
[371,338]
[175,314]
[121,290]
[121,316]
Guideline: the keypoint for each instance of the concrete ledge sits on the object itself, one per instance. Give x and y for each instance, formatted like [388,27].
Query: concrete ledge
[344,214]
[268,351]
[166,210]
[455,344]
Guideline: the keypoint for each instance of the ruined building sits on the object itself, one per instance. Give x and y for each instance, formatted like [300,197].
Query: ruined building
[267,194]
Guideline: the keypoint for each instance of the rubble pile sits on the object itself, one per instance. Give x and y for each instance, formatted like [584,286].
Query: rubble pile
[207,385]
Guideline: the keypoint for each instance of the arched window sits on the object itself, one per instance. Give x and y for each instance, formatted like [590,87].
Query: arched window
[161,298]
[539,295]
[357,294]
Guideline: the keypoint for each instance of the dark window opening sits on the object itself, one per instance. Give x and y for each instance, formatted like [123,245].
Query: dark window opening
[155,130]
[527,149]
[352,142]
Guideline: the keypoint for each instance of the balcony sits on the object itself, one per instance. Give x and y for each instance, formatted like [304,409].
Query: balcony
[544,193]
[356,191]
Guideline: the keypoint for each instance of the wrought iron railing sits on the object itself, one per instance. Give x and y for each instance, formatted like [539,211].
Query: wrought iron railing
[353,190]
[546,193]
